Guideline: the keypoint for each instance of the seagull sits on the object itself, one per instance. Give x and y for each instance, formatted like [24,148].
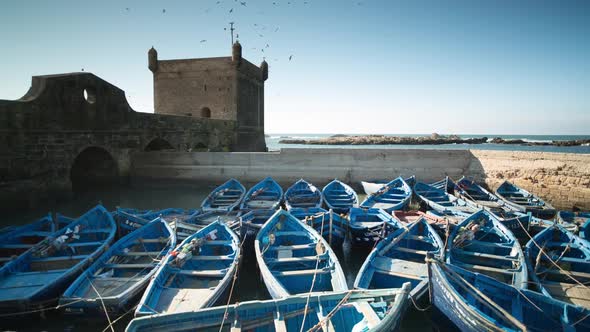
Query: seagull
[218,2]
[290,57]
[127,8]
[203,40]
[164,11]
[82,69]
[243,3]
[231,10]
[266,46]
[277,29]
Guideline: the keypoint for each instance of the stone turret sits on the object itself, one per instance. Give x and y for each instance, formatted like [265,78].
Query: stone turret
[264,70]
[153,59]
[236,53]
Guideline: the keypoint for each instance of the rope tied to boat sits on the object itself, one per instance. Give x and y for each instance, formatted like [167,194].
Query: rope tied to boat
[330,314]
[235,278]
[106,313]
[541,250]
[315,272]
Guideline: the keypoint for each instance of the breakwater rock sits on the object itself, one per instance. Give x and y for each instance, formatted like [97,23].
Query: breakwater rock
[434,139]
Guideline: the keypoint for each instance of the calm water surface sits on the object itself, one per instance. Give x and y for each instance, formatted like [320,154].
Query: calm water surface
[248,287]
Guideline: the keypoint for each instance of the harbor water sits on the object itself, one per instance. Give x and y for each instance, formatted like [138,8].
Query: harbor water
[249,284]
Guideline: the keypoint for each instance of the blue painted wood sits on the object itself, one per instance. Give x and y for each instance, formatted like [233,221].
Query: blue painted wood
[572,221]
[569,281]
[470,191]
[370,225]
[373,186]
[188,284]
[303,194]
[40,275]
[339,196]
[447,185]
[119,276]
[290,253]
[17,240]
[523,201]
[179,218]
[266,194]
[358,310]
[320,220]
[481,243]
[395,195]
[251,222]
[224,198]
[400,258]
[451,292]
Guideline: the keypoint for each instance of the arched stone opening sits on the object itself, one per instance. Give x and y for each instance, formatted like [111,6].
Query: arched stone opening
[205,112]
[159,144]
[200,147]
[93,167]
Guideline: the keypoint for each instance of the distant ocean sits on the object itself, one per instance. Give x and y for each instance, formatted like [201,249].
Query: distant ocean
[272,142]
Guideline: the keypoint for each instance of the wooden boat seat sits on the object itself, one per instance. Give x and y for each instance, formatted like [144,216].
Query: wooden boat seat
[203,273]
[487,244]
[210,258]
[575,274]
[483,255]
[296,259]
[35,233]
[16,246]
[291,233]
[138,253]
[418,238]
[85,244]
[300,272]
[58,258]
[129,266]
[412,251]
[218,242]
[159,240]
[294,247]
[483,268]
[368,313]
[95,230]
[399,267]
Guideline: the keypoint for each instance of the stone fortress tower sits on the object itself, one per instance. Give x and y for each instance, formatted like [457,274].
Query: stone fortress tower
[225,88]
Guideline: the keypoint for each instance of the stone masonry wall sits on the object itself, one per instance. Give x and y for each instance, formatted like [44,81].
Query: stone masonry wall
[562,179]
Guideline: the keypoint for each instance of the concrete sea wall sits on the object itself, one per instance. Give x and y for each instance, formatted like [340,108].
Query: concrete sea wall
[562,179]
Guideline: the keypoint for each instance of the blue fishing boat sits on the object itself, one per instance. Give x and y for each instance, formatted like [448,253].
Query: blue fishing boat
[481,243]
[370,187]
[231,218]
[447,185]
[469,190]
[293,257]
[476,302]
[266,194]
[356,310]
[339,196]
[195,275]
[17,240]
[303,194]
[182,221]
[251,222]
[368,226]
[441,200]
[523,201]
[119,276]
[225,198]
[330,225]
[559,265]
[400,258]
[395,195]
[38,276]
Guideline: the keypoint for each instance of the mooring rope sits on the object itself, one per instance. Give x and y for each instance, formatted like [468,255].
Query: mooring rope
[331,313]
[315,272]
[106,313]
[231,290]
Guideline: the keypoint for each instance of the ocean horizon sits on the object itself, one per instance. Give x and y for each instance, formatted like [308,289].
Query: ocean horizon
[272,142]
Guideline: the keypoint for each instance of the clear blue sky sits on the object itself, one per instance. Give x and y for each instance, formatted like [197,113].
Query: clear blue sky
[364,66]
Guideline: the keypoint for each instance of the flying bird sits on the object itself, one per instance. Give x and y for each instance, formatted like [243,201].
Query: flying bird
[243,3]
[290,57]
[266,46]
[203,40]
[164,11]
[277,29]
[231,10]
